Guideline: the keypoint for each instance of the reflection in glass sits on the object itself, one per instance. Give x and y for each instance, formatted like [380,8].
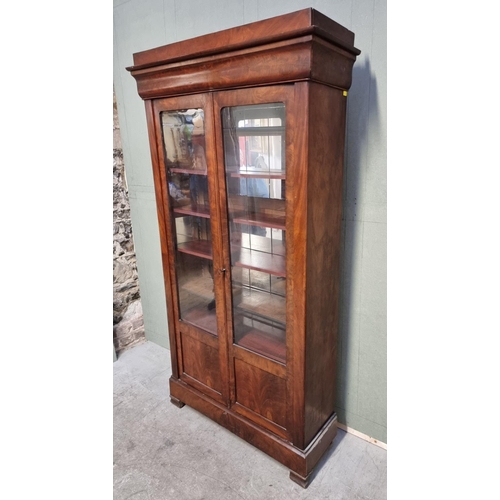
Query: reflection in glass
[254,155]
[184,142]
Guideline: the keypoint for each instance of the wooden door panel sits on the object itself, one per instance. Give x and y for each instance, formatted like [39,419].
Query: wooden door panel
[201,363]
[261,392]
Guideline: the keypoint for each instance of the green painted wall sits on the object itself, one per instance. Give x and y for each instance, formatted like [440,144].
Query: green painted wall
[144,24]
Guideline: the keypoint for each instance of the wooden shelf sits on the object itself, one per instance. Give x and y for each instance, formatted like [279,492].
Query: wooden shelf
[264,344]
[190,171]
[199,211]
[258,174]
[261,220]
[200,248]
[202,318]
[260,261]
[271,130]
[263,306]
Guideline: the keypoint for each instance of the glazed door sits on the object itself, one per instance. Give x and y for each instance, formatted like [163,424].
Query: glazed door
[252,128]
[184,131]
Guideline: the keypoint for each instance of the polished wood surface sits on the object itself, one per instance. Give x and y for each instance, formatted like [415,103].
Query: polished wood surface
[260,391]
[201,363]
[261,364]
[261,220]
[270,174]
[201,318]
[200,248]
[289,61]
[302,462]
[264,344]
[278,28]
[296,218]
[191,210]
[324,187]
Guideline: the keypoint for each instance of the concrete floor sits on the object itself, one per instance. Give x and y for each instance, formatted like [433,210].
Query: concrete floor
[162,452]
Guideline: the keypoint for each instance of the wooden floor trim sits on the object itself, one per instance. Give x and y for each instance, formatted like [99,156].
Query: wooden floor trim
[365,437]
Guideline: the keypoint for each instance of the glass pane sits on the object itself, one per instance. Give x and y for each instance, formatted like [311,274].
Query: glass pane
[254,156]
[184,141]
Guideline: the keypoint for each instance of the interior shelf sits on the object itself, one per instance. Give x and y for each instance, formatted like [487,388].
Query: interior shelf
[264,344]
[191,171]
[200,248]
[261,261]
[257,174]
[199,211]
[202,318]
[261,220]
[267,307]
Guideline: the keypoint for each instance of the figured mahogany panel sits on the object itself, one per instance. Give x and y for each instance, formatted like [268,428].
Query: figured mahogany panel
[261,392]
[201,362]
[296,223]
[265,65]
[324,212]
[252,358]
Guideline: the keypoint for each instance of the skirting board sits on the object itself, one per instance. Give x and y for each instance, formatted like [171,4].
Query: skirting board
[356,433]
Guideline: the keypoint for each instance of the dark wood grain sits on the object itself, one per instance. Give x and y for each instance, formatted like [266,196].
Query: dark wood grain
[261,421]
[189,171]
[219,262]
[249,35]
[278,64]
[296,228]
[302,462]
[251,358]
[261,392]
[263,344]
[324,186]
[301,481]
[201,362]
[272,206]
[176,402]
[199,335]
[260,220]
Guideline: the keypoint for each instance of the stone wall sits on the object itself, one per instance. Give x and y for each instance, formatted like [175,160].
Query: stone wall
[128,324]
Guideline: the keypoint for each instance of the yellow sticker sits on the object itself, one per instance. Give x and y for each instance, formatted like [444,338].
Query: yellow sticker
[344,93]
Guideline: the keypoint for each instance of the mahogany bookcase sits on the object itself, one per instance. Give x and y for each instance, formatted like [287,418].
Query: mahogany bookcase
[247,129]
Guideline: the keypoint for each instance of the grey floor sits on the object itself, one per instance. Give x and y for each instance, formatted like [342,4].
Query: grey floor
[162,452]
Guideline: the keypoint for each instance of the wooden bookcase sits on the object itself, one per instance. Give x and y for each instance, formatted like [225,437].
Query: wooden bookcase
[247,130]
